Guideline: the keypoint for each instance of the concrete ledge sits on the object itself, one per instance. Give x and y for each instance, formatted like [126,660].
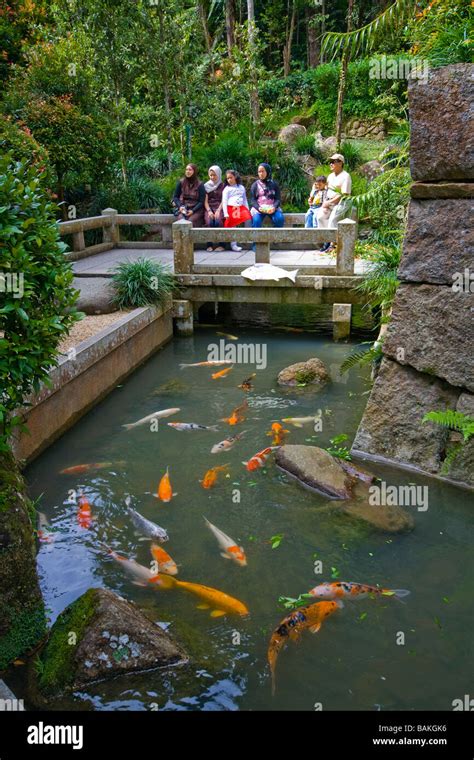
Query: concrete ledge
[89,373]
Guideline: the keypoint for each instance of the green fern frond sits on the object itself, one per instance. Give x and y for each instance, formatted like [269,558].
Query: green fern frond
[360,358]
[450,457]
[453,421]
[364,40]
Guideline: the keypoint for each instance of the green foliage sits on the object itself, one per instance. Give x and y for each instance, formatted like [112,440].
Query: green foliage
[39,310]
[441,33]
[228,152]
[16,138]
[342,452]
[293,182]
[380,281]
[453,421]
[361,358]
[352,155]
[306,146]
[141,283]
[290,603]
[26,628]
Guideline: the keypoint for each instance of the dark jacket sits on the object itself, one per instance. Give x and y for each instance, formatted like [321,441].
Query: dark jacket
[273,192]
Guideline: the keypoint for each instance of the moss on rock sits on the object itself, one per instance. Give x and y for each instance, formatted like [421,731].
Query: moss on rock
[57,661]
[22,616]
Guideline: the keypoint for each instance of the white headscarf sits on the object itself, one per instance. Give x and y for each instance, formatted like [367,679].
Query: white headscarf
[210,186]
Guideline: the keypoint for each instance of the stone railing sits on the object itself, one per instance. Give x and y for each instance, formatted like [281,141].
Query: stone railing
[185,237]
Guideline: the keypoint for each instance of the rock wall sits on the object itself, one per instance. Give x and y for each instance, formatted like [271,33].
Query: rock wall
[429,345]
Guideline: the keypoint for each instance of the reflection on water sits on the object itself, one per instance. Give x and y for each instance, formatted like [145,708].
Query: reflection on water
[354,662]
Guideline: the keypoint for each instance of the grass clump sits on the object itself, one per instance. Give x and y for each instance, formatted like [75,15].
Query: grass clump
[142,283]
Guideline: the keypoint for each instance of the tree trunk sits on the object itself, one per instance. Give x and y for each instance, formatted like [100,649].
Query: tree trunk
[313,40]
[288,43]
[323,26]
[230,25]
[342,81]
[254,101]
[166,97]
[205,27]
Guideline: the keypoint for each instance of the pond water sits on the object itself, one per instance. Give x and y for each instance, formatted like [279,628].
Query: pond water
[354,662]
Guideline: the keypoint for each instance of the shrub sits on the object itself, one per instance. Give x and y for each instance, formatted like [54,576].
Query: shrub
[16,138]
[141,283]
[38,307]
[228,152]
[352,155]
[292,180]
[306,145]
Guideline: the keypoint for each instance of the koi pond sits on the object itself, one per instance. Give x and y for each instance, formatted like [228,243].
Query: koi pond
[372,654]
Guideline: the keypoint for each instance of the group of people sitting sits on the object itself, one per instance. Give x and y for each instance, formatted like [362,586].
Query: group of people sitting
[219,203]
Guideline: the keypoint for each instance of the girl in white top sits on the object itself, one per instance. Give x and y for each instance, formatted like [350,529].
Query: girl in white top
[234,200]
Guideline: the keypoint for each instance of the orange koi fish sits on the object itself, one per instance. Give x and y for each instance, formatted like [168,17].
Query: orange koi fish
[165,492]
[84,515]
[278,432]
[217,601]
[79,469]
[293,625]
[246,384]
[222,373]
[259,459]
[210,478]
[350,590]
[237,415]
[165,563]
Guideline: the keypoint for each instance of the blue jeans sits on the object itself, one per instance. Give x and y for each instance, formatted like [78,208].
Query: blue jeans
[310,219]
[278,220]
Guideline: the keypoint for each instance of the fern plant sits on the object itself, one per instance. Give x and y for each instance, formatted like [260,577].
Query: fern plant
[362,357]
[452,420]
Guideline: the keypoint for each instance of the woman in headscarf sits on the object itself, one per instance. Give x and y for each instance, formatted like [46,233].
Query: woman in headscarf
[265,198]
[213,202]
[189,196]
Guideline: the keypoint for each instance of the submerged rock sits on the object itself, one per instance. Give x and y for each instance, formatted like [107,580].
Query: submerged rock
[316,469]
[311,372]
[100,636]
[392,519]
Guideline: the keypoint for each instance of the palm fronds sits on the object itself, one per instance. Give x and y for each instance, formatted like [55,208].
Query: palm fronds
[362,41]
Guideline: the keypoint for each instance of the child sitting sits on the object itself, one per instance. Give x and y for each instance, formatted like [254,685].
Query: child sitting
[316,199]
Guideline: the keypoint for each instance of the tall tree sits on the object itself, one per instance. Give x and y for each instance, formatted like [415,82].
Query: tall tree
[342,78]
[230,25]
[290,30]
[252,30]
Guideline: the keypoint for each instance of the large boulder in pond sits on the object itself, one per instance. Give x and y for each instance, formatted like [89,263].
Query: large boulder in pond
[99,636]
[291,133]
[311,372]
[389,519]
[315,468]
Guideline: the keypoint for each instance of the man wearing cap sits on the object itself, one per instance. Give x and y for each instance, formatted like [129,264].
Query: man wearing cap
[339,185]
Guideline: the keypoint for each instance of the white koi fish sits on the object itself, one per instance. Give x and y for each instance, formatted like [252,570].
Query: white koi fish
[144,526]
[150,417]
[227,443]
[142,575]
[230,550]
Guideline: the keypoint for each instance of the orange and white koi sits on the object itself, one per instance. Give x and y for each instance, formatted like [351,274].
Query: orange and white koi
[165,491]
[293,625]
[207,364]
[278,432]
[349,590]
[227,443]
[230,550]
[246,384]
[210,478]
[237,415]
[165,563]
[79,469]
[258,460]
[191,426]
[222,373]
[84,515]
[141,574]
[43,529]
[217,601]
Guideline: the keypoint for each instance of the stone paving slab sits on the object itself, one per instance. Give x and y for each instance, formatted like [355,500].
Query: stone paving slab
[103,264]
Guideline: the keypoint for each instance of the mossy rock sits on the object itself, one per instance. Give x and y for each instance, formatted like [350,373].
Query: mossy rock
[22,615]
[100,636]
[311,372]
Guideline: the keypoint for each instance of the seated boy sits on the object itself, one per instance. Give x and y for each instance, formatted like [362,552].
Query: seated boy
[316,199]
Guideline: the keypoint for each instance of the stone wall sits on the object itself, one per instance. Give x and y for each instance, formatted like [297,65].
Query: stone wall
[429,345]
